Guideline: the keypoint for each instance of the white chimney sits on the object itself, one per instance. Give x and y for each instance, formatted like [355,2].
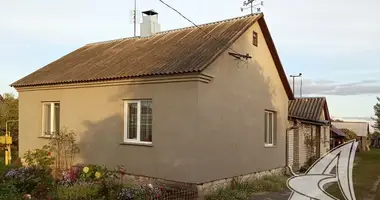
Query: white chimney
[150,25]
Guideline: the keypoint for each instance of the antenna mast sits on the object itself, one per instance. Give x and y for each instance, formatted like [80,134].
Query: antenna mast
[252,4]
[134,19]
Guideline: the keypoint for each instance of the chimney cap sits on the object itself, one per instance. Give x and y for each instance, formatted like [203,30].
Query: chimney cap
[150,12]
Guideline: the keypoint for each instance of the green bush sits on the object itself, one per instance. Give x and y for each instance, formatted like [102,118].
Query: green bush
[8,191]
[5,168]
[39,157]
[308,164]
[78,191]
[26,179]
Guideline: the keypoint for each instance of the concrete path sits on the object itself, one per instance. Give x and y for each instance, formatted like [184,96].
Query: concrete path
[273,196]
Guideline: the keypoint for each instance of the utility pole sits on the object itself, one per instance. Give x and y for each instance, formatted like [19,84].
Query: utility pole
[297,76]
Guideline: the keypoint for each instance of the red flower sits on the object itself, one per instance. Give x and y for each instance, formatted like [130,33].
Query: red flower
[49,153]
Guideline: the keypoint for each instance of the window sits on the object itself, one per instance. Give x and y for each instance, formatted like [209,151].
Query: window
[270,128]
[50,118]
[254,38]
[138,121]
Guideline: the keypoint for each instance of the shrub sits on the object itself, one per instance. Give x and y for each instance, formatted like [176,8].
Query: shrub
[8,191]
[139,193]
[26,179]
[78,191]
[64,147]
[39,157]
[308,164]
[5,168]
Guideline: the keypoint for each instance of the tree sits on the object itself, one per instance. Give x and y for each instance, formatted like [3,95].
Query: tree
[9,111]
[350,134]
[376,108]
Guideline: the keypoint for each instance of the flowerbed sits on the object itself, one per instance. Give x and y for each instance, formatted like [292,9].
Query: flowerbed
[48,174]
[89,182]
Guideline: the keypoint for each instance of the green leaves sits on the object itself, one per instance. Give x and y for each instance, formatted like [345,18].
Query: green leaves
[39,157]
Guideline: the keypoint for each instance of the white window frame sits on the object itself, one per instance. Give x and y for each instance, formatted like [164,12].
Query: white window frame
[138,140]
[273,114]
[52,118]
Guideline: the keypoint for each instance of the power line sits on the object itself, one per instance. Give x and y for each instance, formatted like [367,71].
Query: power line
[197,26]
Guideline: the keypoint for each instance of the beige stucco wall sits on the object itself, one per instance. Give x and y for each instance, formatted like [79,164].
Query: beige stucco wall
[96,115]
[239,94]
[201,131]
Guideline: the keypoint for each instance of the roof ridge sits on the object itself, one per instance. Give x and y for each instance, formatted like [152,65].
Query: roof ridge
[177,29]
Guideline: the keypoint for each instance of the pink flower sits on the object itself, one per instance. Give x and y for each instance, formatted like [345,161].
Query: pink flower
[27,196]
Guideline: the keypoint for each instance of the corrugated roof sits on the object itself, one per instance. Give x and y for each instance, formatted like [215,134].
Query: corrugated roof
[308,108]
[359,128]
[177,51]
[186,50]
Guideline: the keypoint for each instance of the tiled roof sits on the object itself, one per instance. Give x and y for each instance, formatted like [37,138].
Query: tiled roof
[308,108]
[186,50]
[359,128]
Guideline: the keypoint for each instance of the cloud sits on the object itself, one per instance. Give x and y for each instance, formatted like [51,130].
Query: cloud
[330,87]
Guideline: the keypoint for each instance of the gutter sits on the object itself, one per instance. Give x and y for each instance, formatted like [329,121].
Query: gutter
[315,122]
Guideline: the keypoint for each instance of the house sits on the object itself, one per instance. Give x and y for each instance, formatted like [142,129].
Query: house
[177,105]
[310,136]
[361,129]
[337,137]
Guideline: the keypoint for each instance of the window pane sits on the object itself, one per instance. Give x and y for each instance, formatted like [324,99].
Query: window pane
[270,141]
[56,117]
[266,128]
[132,121]
[146,121]
[47,118]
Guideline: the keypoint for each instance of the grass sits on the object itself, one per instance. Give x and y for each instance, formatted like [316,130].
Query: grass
[365,174]
[245,190]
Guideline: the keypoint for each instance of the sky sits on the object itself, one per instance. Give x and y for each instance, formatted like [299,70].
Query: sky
[334,43]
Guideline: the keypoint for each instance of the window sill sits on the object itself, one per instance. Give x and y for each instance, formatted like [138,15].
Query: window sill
[270,146]
[137,144]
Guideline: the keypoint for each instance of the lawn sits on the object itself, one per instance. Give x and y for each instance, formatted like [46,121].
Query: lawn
[366,174]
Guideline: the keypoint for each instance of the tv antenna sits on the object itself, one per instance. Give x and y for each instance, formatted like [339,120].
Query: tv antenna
[253,5]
